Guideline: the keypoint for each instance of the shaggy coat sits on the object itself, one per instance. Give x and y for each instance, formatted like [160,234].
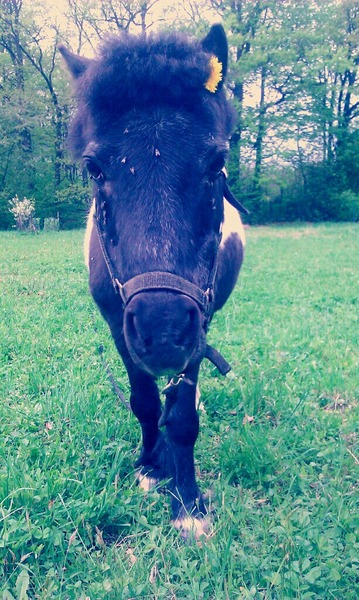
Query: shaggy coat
[152,126]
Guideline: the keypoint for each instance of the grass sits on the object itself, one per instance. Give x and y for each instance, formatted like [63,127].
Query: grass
[277,448]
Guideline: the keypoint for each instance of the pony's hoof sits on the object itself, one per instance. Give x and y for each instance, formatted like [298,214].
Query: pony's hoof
[145,481]
[193,527]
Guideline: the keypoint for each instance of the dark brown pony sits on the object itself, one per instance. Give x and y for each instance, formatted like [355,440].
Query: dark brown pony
[164,245]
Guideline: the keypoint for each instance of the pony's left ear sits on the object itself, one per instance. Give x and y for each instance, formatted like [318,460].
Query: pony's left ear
[77,65]
[216,43]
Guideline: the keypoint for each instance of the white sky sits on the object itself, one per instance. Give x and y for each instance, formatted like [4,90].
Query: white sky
[164,12]
[172,9]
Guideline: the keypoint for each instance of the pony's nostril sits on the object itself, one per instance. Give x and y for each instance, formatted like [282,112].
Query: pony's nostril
[130,323]
[147,342]
[134,330]
[189,326]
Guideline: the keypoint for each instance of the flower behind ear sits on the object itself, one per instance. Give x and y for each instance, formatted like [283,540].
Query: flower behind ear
[216,75]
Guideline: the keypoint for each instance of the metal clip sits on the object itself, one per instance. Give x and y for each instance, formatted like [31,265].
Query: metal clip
[209,299]
[173,382]
[176,380]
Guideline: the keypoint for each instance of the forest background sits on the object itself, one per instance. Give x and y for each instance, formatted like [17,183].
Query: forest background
[293,78]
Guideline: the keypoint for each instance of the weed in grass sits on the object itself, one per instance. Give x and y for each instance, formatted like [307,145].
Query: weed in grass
[277,448]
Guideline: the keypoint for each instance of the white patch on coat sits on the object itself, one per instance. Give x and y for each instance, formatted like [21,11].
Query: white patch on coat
[88,232]
[232,224]
[198,395]
[199,403]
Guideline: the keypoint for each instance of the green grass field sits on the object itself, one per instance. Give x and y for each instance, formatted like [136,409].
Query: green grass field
[278,448]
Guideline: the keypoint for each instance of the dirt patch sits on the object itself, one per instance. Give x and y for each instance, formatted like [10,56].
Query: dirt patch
[336,404]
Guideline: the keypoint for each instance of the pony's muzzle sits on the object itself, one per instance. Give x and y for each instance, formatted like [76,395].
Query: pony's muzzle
[162,331]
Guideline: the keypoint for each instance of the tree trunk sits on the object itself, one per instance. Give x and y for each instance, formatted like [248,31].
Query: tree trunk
[258,145]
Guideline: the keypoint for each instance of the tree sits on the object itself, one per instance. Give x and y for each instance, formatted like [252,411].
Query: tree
[33,108]
[91,18]
[293,77]
[299,58]
[16,140]
[44,62]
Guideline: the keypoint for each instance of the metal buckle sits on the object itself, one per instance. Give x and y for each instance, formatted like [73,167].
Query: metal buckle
[208,294]
[119,290]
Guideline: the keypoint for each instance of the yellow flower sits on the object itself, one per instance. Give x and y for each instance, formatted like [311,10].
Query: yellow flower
[216,75]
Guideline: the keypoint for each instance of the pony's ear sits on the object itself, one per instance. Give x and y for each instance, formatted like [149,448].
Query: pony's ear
[77,65]
[216,43]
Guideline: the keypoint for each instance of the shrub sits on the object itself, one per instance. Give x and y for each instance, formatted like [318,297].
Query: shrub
[71,203]
[51,224]
[347,206]
[23,212]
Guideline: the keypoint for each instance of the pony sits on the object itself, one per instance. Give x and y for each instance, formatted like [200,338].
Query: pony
[164,239]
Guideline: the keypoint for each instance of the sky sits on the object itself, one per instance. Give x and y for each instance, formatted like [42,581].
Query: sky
[59,8]
[57,13]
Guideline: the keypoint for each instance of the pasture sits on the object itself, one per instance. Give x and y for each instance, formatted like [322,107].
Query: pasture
[277,446]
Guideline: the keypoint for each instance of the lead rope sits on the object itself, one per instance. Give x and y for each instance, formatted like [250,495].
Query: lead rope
[110,376]
[116,388]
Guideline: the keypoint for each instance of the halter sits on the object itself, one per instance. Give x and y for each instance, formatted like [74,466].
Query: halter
[160,280]
[163,280]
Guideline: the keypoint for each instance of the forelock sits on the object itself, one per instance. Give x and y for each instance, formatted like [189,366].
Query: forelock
[146,71]
[137,71]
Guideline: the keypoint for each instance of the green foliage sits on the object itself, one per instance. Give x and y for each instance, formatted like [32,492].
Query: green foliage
[294,77]
[348,206]
[314,191]
[51,224]
[278,445]
[71,204]
[292,74]
[6,219]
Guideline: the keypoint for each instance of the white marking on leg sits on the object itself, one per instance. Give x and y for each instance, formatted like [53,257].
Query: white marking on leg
[199,404]
[195,526]
[145,482]
[198,394]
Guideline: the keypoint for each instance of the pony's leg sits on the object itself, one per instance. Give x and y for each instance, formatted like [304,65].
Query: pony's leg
[146,406]
[182,426]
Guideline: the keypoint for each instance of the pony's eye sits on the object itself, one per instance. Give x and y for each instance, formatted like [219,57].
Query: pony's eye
[93,169]
[217,164]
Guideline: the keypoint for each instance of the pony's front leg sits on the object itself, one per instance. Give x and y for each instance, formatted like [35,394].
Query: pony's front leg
[147,408]
[182,425]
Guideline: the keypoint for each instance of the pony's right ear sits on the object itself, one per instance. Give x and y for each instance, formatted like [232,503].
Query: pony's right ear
[77,65]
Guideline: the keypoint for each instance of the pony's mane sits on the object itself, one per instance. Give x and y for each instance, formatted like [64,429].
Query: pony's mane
[131,71]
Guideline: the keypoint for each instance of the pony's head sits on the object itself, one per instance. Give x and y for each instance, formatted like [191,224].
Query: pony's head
[152,127]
